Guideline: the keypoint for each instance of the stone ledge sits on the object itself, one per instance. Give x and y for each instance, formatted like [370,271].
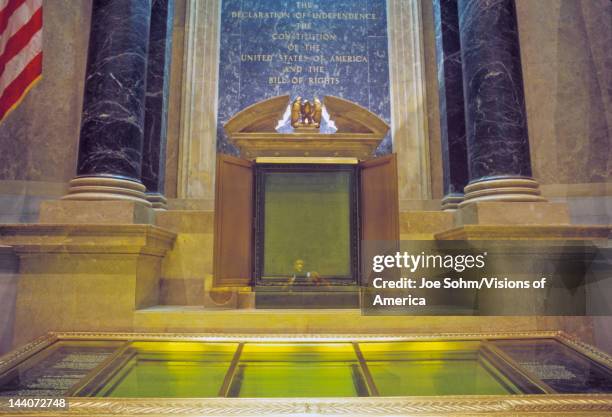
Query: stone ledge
[424,223]
[95,212]
[592,189]
[512,213]
[87,238]
[333,321]
[526,232]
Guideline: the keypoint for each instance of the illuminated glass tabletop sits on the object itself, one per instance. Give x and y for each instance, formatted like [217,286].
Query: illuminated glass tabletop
[292,369]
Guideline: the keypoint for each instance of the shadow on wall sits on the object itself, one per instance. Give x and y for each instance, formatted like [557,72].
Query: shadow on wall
[8,295]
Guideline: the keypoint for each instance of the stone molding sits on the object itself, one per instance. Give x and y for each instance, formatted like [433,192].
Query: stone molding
[87,239]
[94,188]
[198,125]
[526,232]
[408,99]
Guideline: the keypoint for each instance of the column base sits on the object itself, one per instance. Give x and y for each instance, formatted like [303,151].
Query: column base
[523,189]
[451,201]
[96,188]
[157,200]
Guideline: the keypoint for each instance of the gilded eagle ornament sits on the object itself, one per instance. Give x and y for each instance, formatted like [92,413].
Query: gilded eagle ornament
[296,112]
[306,115]
[307,112]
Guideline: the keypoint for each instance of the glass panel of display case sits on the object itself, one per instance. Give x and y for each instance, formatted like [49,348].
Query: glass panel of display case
[53,371]
[199,369]
[434,368]
[167,369]
[307,226]
[562,368]
[298,370]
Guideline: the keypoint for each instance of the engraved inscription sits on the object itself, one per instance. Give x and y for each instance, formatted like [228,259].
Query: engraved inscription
[303,48]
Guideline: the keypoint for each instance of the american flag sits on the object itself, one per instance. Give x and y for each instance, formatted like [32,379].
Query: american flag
[20,50]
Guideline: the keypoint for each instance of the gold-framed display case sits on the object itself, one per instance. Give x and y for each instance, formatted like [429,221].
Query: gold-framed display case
[493,374]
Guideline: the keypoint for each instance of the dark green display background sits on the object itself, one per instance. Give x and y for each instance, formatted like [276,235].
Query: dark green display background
[307,216]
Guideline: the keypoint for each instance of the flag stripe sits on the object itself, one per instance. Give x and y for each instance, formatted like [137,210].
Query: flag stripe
[7,12]
[19,87]
[19,62]
[17,20]
[21,55]
[21,39]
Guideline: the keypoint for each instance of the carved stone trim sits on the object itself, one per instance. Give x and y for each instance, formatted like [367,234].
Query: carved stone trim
[502,189]
[198,126]
[583,405]
[106,188]
[87,238]
[408,99]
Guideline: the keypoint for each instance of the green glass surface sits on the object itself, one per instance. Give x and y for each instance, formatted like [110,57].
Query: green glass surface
[170,379]
[433,368]
[298,370]
[307,217]
[262,369]
[170,370]
[444,377]
[297,380]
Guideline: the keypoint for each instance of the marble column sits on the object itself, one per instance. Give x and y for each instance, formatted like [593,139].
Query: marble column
[112,124]
[496,122]
[452,114]
[156,102]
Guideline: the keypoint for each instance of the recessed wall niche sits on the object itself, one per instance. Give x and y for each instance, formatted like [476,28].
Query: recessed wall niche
[203,71]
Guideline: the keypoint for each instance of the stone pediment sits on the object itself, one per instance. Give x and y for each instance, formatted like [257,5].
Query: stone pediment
[358,134]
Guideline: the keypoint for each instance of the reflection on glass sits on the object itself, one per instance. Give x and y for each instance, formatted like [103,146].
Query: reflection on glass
[433,368]
[560,367]
[306,225]
[55,370]
[174,370]
[298,370]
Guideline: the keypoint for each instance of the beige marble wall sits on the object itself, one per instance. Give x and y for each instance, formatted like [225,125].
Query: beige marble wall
[81,277]
[74,292]
[433,109]
[20,199]
[197,130]
[409,101]
[189,263]
[174,102]
[9,277]
[567,69]
[38,140]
